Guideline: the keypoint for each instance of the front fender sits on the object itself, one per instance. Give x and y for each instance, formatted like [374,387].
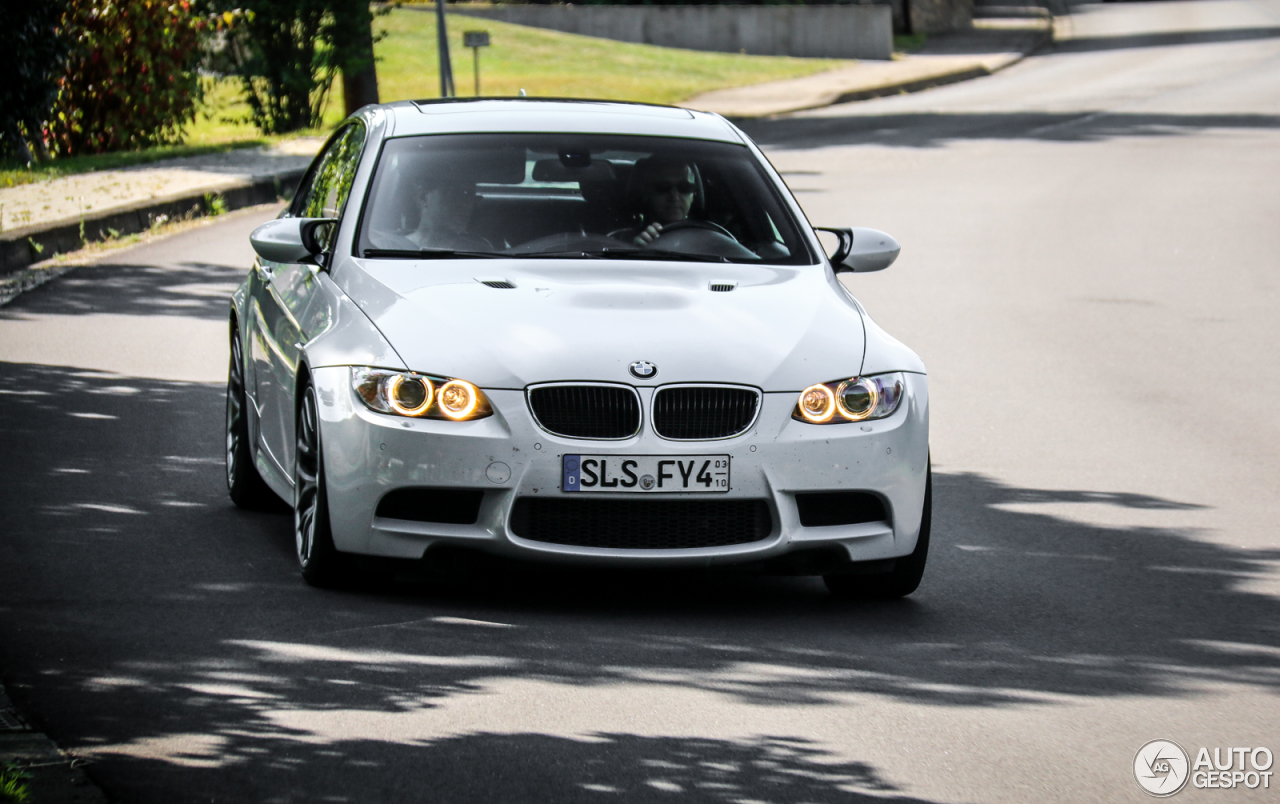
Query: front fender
[344,334]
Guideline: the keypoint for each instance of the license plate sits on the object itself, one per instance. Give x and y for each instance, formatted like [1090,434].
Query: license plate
[645,473]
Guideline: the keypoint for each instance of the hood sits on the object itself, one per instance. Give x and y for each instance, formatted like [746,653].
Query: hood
[779,328]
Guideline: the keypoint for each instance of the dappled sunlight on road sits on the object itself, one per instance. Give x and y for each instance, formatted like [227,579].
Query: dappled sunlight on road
[157,348]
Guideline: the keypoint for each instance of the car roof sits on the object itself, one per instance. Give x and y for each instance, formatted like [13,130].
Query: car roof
[555,115]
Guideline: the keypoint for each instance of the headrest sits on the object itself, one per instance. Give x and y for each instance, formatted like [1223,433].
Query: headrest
[556,170]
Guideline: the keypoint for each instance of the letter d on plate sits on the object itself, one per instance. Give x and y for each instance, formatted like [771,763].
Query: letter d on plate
[572,480]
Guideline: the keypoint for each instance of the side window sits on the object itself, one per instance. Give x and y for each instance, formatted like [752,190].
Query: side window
[329,184]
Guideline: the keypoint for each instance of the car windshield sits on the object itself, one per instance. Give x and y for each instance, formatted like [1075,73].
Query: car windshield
[575,196]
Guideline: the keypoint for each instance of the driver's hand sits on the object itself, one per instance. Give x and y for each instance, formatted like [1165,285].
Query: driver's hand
[649,234]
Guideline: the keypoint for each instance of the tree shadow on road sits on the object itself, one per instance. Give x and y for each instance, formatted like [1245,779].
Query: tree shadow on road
[1091,44]
[155,628]
[530,766]
[937,129]
[123,287]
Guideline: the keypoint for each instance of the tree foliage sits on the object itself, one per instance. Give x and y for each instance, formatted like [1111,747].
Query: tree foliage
[130,78]
[283,62]
[288,53]
[31,59]
[352,43]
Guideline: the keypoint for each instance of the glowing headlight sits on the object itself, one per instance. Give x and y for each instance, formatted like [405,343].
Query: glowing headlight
[409,395]
[853,400]
[405,393]
[458,399]
[817,404]
[857,398]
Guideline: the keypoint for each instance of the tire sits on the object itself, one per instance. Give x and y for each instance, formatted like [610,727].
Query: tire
[319,560]
[247,488]
[907,571]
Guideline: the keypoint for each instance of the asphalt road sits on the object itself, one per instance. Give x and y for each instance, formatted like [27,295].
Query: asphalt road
[1090,272]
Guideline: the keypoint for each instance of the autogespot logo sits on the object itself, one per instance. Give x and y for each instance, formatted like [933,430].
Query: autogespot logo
[1161,767]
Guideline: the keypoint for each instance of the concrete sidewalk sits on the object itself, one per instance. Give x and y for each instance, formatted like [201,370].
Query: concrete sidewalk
[991,45]
[45,218]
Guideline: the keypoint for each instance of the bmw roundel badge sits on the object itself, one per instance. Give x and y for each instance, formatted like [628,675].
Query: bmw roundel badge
[643,370]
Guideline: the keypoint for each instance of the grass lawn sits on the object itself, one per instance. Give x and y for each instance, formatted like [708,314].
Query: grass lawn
[541,62]
[550,63]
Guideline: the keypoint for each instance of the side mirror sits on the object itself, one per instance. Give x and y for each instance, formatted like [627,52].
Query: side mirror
[862,250]
[292,239]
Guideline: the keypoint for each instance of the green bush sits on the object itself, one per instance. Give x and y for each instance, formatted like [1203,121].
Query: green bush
[130,80]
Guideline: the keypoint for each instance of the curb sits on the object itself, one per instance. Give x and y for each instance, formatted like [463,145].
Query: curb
[20,248]
[1044,39]
[917,85]
[15,283]
[914,85]
[52,777]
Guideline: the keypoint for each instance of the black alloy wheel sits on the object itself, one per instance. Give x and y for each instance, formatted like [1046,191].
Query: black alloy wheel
[907,571]
[319,560]
[244,484]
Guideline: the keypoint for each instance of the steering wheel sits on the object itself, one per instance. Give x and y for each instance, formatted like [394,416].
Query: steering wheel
[695,224]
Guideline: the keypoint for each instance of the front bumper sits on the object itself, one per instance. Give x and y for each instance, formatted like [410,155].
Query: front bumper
[508,456]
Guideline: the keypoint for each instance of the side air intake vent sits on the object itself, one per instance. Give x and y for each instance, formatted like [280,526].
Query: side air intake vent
[500,284]
[723,287]
[450,506]
[819,509]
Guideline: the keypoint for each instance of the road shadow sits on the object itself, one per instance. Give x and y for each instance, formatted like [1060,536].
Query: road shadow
[164,634]
[936,129]
[1092,44]
[593,769]
[122,287]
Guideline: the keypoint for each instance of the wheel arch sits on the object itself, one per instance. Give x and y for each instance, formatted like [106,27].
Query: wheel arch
[300,381]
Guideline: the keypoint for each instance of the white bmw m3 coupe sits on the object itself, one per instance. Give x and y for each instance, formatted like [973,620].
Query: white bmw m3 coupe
[574,331]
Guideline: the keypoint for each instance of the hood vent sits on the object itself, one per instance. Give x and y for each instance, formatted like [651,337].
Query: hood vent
[721,286]
[497,283]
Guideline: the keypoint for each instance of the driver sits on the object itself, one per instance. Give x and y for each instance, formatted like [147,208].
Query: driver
[666,189]
[445,209]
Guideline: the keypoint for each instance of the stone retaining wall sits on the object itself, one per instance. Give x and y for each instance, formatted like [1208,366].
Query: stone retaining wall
[827,31]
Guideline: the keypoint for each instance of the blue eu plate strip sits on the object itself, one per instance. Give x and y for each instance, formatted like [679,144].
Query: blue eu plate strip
[572,473]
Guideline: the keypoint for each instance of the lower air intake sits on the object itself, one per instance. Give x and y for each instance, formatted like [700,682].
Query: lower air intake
[641,524]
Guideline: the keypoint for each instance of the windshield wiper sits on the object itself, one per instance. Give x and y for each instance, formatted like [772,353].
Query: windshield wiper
[627,254]
[428,253]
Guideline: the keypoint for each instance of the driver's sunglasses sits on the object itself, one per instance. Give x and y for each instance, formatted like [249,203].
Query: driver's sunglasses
[684,187]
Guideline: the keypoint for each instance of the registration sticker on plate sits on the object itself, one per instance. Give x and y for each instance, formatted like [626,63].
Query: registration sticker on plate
[645,473]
